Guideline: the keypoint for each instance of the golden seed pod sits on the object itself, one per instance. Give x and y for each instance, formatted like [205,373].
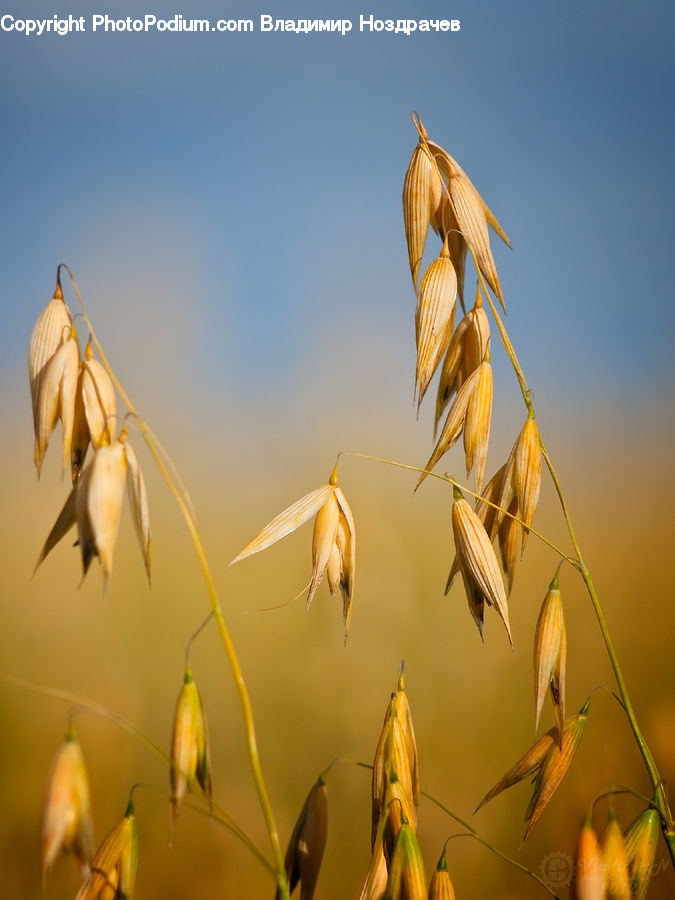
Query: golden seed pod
[95,409]
[553,768]
[307,843]
[396,752]
[407,880]
[66,815]
[333,542]
[56,397]
[450,168]
[98,505]
[95,502]
[588,880]
[550,655]
[476,559]
[477,422]
[434,318]
[441,886]
[138,498]
[445,224]
[470,213]
[509,532]
[113,868]
[454,423]
[614,861]
[53,324]
[526,765]
[376,878]
[323,539]
[640,840]
[549,760]
[522,478]
[422,194]
[190,758]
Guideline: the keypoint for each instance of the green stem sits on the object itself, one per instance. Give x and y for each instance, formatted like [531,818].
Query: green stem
[660,795]
[240,684]
[489,846]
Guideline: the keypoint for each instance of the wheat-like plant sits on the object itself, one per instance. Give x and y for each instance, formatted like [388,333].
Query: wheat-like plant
[81,390]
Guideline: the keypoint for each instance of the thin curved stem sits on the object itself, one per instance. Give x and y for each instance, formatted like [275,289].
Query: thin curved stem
[89,705]
[240,684]
[489,846]
[453,483]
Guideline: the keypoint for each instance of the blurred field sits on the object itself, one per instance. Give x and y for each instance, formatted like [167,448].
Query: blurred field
[315,700]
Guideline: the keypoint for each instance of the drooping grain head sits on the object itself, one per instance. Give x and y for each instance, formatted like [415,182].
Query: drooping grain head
[113,868]
[189,746]
[588,880]
[56,398]
[308,842]
[441,887]
[476,557]
[640,841]
[95,410]
[434,318]
[66,817]
[550,652]
[615,863]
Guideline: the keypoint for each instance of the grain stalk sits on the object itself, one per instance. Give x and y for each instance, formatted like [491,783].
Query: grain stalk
[660,795]
[226,639]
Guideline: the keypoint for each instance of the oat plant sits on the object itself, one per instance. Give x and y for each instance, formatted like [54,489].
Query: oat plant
[492,520]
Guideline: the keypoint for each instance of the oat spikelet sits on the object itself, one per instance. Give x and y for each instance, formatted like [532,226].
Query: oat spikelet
[477,422]
[333,541]
[445,224]
[190,757]
[56,398]
[588,882]
[470,211]
[522,479]
[553,768]
[441,886]
[407,880]
[454,424]
[98,504]
[95,409]
[113,868]
[95,505]
[509,532]
[434,318]
[470,413]
[422,193]
[550,655]
[396,750]
[53,324]
[465,353]
[640,840]
[550,761]
[614,860]
[476,557]
[66,816]
[307,843]
[138,498]
[287,521]
[376,878]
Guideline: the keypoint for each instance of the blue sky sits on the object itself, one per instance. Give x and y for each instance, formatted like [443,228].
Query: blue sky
[232,202]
